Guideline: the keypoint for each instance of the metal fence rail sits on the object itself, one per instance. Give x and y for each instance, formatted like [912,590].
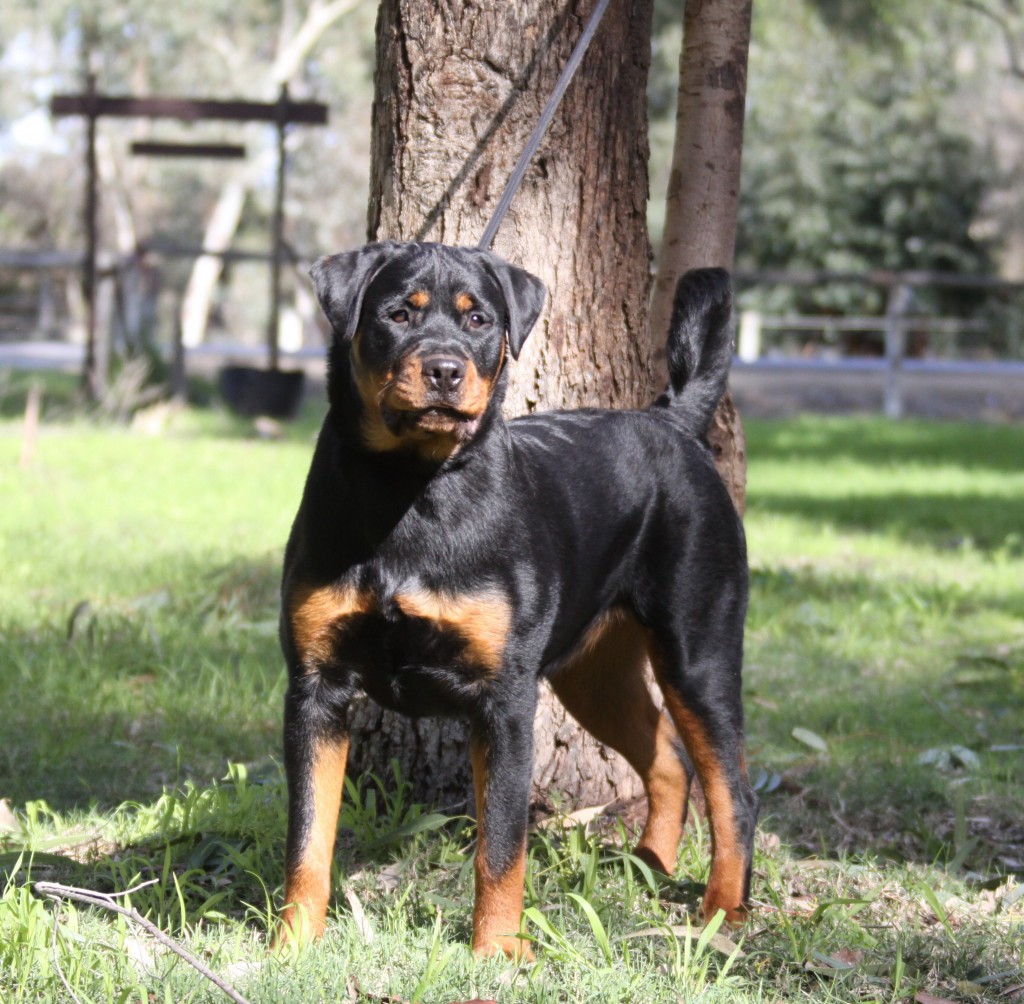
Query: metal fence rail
[892,327]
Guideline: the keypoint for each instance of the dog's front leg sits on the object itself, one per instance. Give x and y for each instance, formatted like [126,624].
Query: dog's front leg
[502,754]
[316,749]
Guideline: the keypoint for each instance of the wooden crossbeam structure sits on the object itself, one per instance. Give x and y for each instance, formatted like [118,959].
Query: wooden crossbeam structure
[92,105]
[208,151]
[95,105]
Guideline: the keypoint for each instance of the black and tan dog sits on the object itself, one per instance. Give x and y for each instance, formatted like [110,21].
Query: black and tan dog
[443,561]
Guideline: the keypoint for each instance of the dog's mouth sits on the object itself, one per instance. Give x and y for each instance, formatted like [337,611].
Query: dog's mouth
[434,420]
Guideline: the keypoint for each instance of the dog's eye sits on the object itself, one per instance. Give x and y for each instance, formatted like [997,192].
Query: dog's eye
[477,320]
[400,316]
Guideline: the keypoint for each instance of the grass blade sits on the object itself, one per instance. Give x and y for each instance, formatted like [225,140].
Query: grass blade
[600,934]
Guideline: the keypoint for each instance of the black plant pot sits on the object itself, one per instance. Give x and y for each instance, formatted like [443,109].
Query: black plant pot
[250,391]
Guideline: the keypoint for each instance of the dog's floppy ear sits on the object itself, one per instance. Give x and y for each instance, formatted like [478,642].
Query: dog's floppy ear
[341,280]
[524,297]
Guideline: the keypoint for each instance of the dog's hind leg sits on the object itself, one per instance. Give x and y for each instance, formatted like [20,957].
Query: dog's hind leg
[604,688]
[699,674]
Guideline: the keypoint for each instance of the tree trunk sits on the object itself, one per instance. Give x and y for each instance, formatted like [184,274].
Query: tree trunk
[459,86]
[704,186]
[207,268]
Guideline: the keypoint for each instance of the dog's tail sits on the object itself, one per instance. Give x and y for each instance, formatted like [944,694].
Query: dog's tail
[700,345]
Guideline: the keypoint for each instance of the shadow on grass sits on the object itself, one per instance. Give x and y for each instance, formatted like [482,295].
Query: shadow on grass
[944,521]
[142,740]
[917,710]
[113,700]
[169,690]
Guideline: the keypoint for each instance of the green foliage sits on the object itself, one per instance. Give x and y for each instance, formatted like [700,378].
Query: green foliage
[856,160]
[871,22]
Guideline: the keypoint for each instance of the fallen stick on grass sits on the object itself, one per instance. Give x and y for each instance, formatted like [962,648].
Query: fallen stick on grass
[55,891]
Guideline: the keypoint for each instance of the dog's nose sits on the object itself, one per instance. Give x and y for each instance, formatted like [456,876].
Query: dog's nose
[444,373]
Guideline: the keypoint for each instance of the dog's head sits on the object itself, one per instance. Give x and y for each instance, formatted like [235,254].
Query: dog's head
[423,329]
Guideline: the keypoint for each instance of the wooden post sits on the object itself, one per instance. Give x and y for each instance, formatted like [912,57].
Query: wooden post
[91,378]
[46,317]
[30,430]
[277,236]
[179,381]
[900,297]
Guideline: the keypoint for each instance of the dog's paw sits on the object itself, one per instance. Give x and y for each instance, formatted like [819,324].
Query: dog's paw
[295,931]
[517,949]
[735,916]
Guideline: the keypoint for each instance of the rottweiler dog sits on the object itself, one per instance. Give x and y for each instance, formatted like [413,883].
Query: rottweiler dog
[444,560]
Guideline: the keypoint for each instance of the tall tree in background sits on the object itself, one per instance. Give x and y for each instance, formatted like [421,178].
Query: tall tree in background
[902,157]
[458,89]
[704,185]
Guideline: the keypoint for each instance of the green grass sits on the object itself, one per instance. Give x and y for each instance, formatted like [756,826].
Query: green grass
[140,688]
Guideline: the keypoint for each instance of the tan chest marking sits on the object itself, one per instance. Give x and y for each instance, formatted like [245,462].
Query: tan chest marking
[317,611]
[482,620]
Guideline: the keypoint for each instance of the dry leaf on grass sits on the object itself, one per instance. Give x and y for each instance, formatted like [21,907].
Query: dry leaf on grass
[8,821]
[967,988]
[390,878]
[580,817]
[359,916]
[718,940]
[849,956]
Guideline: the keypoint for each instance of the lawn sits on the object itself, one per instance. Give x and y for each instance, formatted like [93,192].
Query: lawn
[140,688]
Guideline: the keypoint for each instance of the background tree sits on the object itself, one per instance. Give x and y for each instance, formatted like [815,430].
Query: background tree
[456,97]
[895,149]
[457,94]
[702,203]
[816,129]
[322,48]
[299,35]
[877,171]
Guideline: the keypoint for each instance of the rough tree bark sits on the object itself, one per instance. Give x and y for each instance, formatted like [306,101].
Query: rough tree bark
[459,86]
[704,185]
